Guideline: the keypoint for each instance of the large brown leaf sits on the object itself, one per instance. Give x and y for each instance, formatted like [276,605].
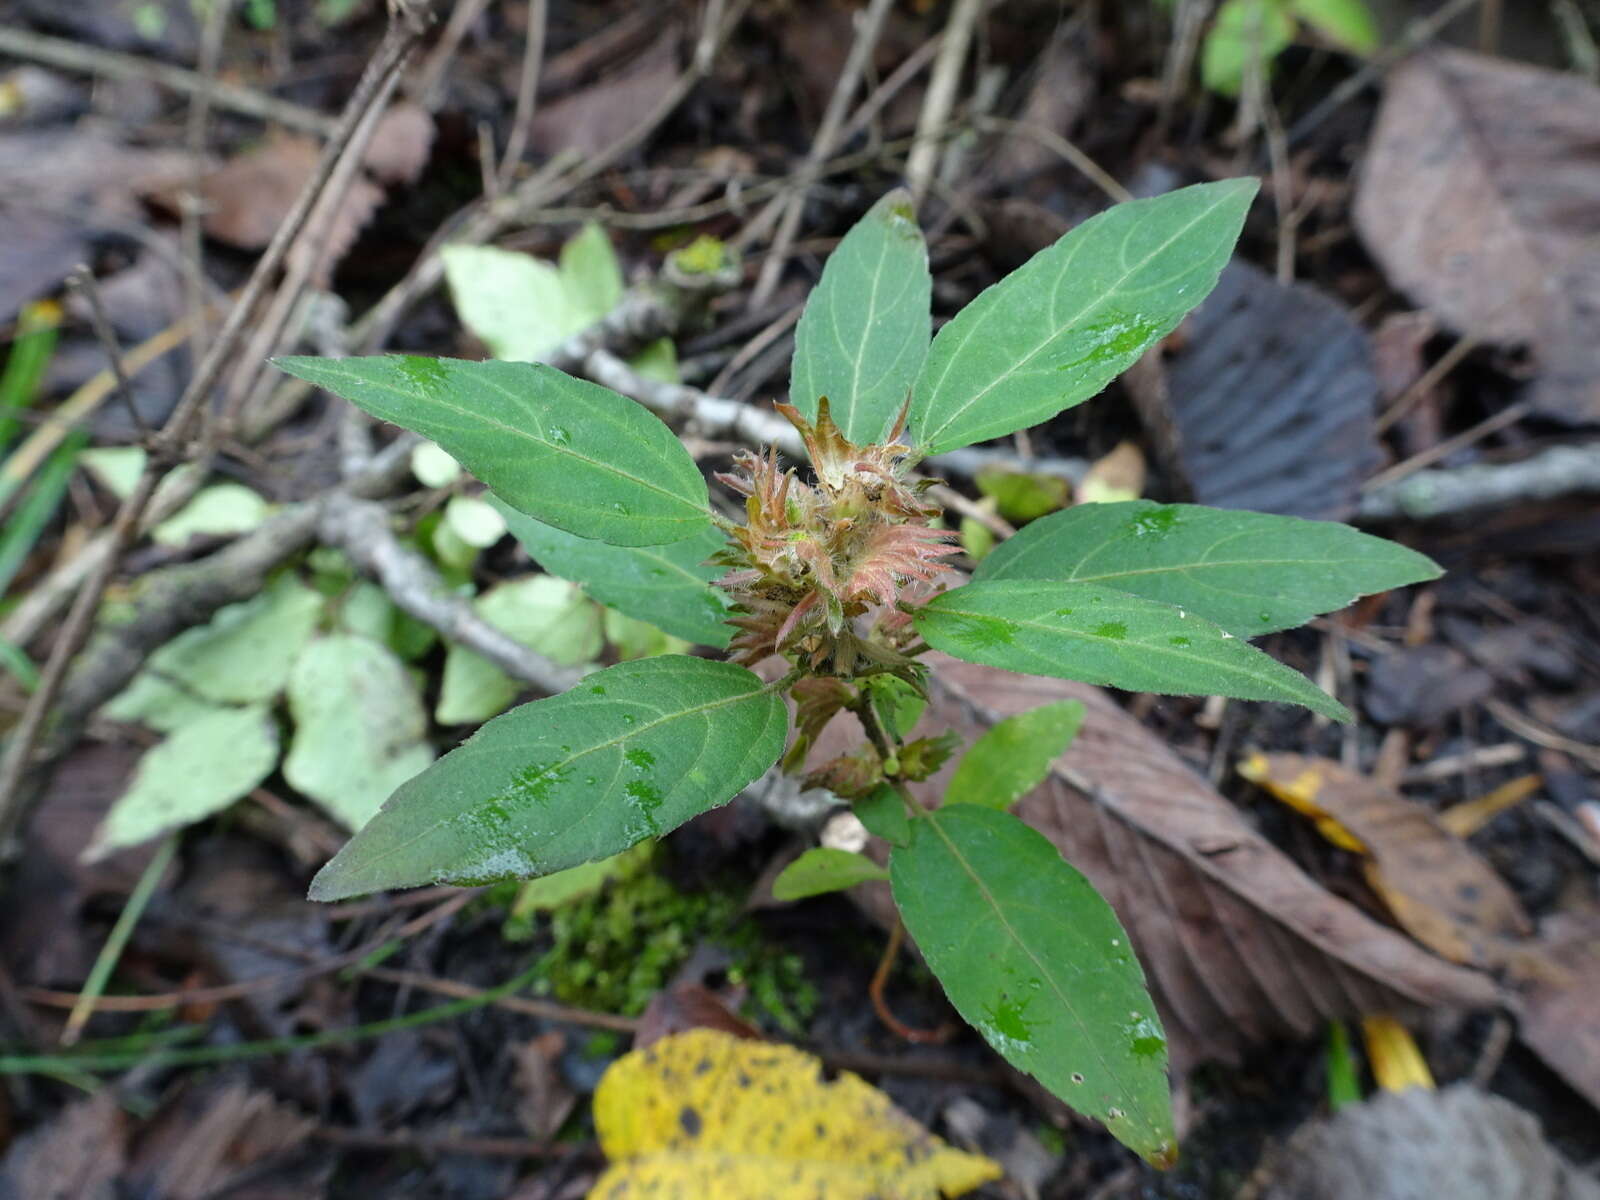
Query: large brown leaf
[1239,944]
[1480,197]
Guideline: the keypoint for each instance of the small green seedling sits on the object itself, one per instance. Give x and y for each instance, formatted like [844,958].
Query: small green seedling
[1250,34]
[841,578]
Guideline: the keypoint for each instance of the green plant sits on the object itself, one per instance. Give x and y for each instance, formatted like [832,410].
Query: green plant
[843,578]
[1250,34]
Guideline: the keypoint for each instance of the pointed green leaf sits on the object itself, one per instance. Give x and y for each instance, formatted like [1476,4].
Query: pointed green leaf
[591,276]
[824,869]
[631,752]
[1074,316]
[866,325]
[516,304]
[1251,573]
[1036,961]
[884,814]
[198,771]
[1013,755]
[669,586]
[1090,633]
[571,453]
[1347,23]
[359,726]
[1245,31]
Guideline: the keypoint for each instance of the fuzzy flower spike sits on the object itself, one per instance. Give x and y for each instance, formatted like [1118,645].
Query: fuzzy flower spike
[810,559]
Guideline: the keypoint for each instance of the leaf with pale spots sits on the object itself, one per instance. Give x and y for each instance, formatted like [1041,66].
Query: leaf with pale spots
[1074,316]
[1096,635]
[1251,573]
[1036,961]
[571,453]
[631,752]
[704,1113]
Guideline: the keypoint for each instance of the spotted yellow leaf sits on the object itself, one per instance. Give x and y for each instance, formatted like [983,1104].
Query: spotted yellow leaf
[703,1114]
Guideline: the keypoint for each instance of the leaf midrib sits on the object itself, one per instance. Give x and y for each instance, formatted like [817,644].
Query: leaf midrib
[994,905]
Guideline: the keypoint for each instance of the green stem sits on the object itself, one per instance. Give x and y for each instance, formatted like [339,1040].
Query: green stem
[111,953]
[206,1055]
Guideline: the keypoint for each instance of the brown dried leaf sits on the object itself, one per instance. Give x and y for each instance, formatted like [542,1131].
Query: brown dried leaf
[1438,889]
[77,1156]
[203,1141]
[1239,945]
[1559,1017]
[544,1100]
[400,144]
[591,120]
[1481,200]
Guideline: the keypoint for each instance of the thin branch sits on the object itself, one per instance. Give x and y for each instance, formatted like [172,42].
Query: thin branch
[194,275]
[82,281]
[527,94]
[941,97]
[1548,475]
[76,56]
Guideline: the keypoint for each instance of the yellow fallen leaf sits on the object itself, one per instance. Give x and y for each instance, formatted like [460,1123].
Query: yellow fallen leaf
[705,1116]
[1396,1061]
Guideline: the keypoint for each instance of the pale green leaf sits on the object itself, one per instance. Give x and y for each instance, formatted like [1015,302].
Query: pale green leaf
[633,638]
[571,453]
[590,275]
[220,510]
[1348,24]
[1251,573]
[359,726]
[658,361]
[542,612]
[1013,755]
[365,609]
[476,522]
[1074,316]
[115,468]
[551,892]
[631,752]
[865,328]
[824,869]
[433,467]
[241,656]
[197,771]
[883,812]
[1036,961]
[1097,635]
[669,586]
[514,303]
[1244,31]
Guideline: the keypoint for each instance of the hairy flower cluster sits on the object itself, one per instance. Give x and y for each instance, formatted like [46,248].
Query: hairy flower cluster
[811,559]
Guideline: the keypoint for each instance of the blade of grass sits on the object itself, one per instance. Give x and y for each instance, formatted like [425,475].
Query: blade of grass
[22,530]
[15,660]
[25,366]
[111,953]
[92,1058]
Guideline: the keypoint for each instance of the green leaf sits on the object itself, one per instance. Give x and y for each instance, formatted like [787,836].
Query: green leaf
[884,814]
[1346,23]
[1013,755]
[898,704]
[476,522]
[241,656]
[550,892]
[571,453]
[633,638]
[590,274]
[515,304]
[220,510]
[359,726]
[1251,573]
[1035,960]
[1074,316]
[866,324]
[1020,497]
[198,771]
[824,869]
[433,467]
[1245,31]
[542,612]
[669,586]
[631,752]
[1090,633]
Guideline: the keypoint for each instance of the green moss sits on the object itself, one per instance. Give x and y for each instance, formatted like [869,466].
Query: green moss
[615,950]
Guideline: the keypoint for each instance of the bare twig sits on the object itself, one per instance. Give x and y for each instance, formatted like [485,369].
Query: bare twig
[429,90]
[1548,475]
[194,276]
[527,94]
[1509,415]
[82,281]
[14,764]
[78,56]
[844,90]
[361,529]
[941,97]
[1069,153]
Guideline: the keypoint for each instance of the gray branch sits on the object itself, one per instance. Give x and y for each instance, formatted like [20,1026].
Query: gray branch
[1547,475]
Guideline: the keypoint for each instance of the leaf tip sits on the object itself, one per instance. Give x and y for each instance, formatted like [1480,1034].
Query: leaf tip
[329,884]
